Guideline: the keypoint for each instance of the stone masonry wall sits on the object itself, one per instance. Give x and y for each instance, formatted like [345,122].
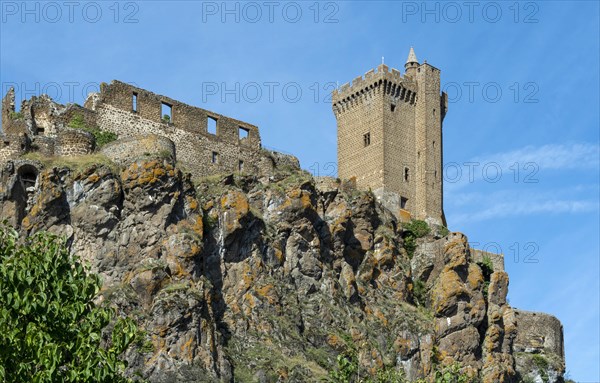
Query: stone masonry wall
[402,116]
[44,145]
[538,332]
[399,151]
[194,150]
[183,117]
[11,146]
[235,146]
[428,143]
[74,142]
[129,111]
[539,347]
[497,259]
[130,149]
[358,110]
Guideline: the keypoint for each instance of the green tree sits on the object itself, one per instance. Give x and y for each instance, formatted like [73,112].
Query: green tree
[50,329]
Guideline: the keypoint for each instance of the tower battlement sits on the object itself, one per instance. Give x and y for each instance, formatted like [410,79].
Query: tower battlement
[379,79]
[390,136]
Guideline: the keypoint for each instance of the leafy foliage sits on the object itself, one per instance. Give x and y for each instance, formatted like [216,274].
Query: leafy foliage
[347,364]
[413,230]
[388,375]
[15,115]
[347,371]
[487,268]
[444,231]
[102,137]
[347,367]
[50,329]
[451,374]
[417,228]
[542,365]
[419,292]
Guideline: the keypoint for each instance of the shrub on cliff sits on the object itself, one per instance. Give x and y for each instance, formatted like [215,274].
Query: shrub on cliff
[413,230]
[50,328]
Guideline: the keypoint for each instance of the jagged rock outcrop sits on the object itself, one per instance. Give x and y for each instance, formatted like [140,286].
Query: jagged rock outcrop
[266,280]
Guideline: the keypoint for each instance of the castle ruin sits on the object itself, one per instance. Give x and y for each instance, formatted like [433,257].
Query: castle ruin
[389,130]
[144,123]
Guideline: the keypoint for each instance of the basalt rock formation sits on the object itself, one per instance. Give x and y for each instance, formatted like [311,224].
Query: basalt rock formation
[249,279]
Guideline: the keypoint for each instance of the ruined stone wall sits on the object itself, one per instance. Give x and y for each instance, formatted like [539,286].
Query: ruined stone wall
[539,347]
[42,115]
[12,123]
[12,146]
[184,117]
[45,117]
[146,146]
[74,142]
[201,152]
[478,256]
[538,332]
[129,111]
[44,145]
[8,107]
[72,111]
[193,149]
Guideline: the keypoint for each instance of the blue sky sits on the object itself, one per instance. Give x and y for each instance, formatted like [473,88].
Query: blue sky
[523,82]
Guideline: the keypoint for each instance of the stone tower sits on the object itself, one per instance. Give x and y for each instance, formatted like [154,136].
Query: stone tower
[390,137]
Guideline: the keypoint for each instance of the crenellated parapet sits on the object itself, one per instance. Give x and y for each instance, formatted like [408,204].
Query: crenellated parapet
[377,81]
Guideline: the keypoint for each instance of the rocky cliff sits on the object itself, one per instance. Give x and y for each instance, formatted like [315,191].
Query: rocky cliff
[248,279]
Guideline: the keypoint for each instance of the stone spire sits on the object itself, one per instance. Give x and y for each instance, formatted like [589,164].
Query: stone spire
[411,63]
[412,57]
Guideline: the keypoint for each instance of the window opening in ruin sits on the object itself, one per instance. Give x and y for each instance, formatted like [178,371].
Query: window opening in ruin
[392,107]
[215,157]
[403,202]
[166,111]
[6,143]
[367,139]
[433,144]
[406,174]
[134,102]
[434,112]
[241,166]
[243,132]
[40,130]
[212,125]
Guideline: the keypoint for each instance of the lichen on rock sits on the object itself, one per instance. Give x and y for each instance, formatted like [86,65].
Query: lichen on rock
[240,278]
